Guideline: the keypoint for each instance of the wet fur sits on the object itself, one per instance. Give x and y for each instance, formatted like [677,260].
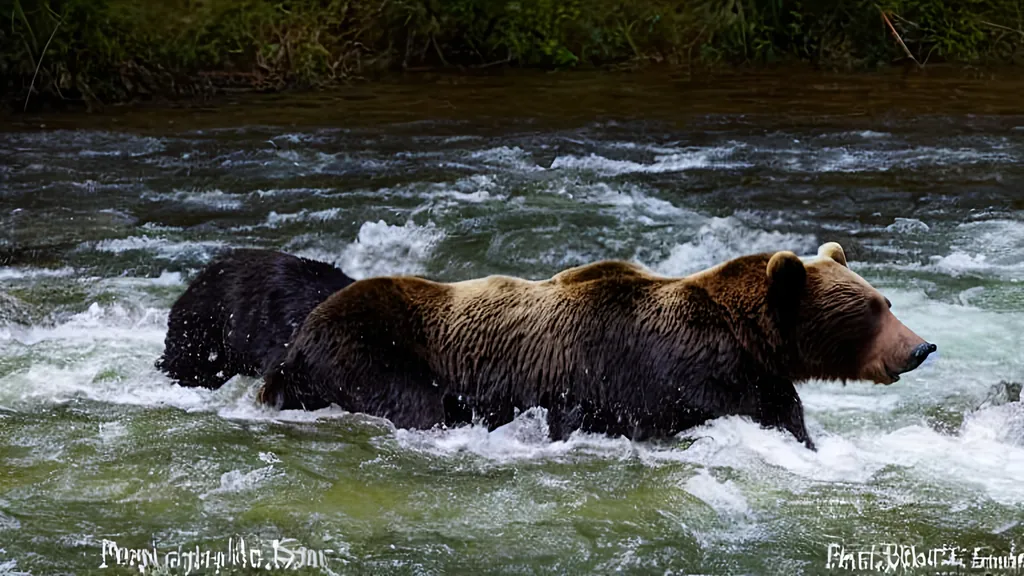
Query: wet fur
[239,312]
[607,347]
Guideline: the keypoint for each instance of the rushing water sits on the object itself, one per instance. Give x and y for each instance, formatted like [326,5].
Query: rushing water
[104,219]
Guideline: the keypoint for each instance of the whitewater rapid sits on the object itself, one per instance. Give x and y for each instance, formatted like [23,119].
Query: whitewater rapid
[82,331]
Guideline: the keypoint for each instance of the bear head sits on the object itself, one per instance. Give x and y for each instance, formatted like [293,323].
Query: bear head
[837,325]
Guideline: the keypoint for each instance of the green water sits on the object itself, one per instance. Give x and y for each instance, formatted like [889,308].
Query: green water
[104,219]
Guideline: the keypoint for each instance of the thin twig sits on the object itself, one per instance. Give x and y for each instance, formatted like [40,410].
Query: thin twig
[904,20]
[56,86]
[1000,27]
[898,39]
[39,64]
[490,64]
[437,49]
[929,56]
[689,49]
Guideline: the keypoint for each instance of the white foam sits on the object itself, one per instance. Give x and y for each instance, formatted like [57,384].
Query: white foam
[460,138]
[158,246]
[999,424]
[475,189]
[133,243]
[215,199]
[907,226]
[525,438]
[739,442]
[507,157]
[725,498]
[9,273]
[844,159]
[655,148]
[99,379]
[630,200]
[9,567]
[111,432]
[722,239]
[166,279]
[317,137]
[323,162]
[985,247]
[384,249]
[269,458]
[289,192]
[238,481]
[957,263]
[726,442]
[871,134]
[124,284]
[236,400]
[105,353]
[853,398]
[975,458]
[676,162]
[274,219]
[89,325]
[154,227]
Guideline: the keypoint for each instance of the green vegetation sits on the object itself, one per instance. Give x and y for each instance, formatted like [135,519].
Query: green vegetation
[113,50]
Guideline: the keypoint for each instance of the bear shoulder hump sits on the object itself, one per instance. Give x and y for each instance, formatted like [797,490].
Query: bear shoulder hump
[604,270]
[378,293]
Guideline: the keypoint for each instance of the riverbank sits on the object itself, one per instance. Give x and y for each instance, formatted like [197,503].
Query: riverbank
[502,98]
[87,53]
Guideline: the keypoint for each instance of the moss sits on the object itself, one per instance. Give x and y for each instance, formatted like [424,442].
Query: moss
[113,50]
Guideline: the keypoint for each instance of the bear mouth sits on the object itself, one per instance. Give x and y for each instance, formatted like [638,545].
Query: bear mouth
[893,376]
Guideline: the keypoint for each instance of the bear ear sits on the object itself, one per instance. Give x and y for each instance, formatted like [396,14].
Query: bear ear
[834,251]
[786,271]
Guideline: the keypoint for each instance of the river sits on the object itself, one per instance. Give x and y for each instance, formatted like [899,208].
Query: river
[104,218]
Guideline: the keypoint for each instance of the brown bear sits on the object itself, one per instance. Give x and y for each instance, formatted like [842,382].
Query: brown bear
[607,347]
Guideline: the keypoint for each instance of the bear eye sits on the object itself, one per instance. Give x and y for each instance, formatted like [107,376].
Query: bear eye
[889,304]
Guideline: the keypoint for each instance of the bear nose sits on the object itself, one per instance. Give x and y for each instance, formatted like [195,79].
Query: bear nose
[919,355]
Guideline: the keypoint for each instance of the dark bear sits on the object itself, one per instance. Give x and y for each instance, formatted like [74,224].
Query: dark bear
[608,347]
[238,314]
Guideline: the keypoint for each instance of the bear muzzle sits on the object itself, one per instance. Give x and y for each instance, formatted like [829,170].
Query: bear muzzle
[917,356]
[896,350]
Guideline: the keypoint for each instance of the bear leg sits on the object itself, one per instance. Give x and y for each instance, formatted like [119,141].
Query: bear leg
[497,414]
[421,409]
[780,407]
[286,386]
[562,423]
[457,411]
